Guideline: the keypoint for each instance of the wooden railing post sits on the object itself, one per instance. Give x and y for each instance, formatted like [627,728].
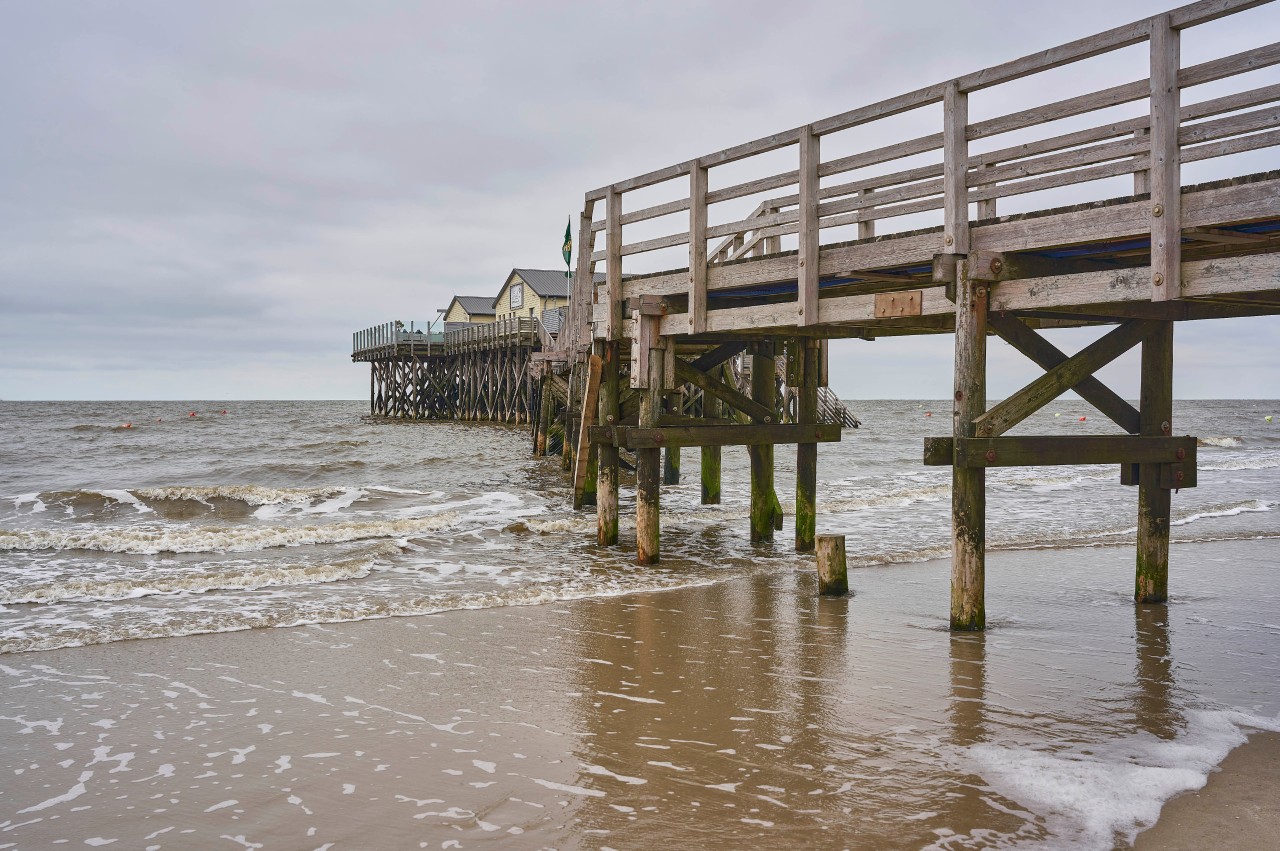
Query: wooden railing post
[613,264]
[866,229]
[807,271]
[1166,179]
[697,249]
[955,166]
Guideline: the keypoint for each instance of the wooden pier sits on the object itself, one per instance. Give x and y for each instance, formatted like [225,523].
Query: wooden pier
[772,265]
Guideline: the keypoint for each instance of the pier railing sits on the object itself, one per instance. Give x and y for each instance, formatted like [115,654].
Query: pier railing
[1015,160]
[511,331]
[389,337]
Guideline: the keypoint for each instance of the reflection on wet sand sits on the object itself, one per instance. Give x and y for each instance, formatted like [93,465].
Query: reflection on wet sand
[1153,703]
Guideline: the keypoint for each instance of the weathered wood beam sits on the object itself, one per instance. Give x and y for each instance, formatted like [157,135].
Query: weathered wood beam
[1057,451]
[1151,584]
[721,353]
[1060,379]
[607,466]
[1048,356]
[968,484]
[1165,173]
[627,437]
[807,453]
[685,372]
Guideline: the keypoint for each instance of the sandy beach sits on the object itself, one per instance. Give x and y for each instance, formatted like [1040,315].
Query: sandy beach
[745,713]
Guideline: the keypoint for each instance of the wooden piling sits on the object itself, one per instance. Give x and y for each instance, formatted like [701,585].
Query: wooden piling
[607,464]
[833,575]
[807,453]
[710,455]
[1156,410]
[764,500]
[671,465]
[968,484]
[544,417]
[649,461]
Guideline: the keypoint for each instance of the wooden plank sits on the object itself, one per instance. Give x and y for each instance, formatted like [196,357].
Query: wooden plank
[1165,173]
[807,258]
[807,453]
[1048,356]
[766,514]
[648,461]
[583,286]
[613,265]
[721,353]
[711,456]
[635,437]
[1060,379]
[697,249]
[685,372]
[1058,450]
[903,303]
[955,164]
[607,468]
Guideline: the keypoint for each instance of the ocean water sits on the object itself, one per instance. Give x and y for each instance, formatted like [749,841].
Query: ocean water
[287,513]
[562,698]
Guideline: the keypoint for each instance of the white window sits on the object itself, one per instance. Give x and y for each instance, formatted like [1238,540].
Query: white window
[517,296]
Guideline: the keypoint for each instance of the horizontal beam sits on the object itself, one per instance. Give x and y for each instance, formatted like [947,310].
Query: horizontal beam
[1066,450]
[626,437]
[687,373]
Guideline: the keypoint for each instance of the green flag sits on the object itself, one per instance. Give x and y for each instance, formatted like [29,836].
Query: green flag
[568,243]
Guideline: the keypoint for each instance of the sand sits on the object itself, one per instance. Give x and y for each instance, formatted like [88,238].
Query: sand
[1238,808]
[745,713]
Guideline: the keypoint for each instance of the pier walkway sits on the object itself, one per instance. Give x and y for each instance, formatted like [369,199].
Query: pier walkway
[1080,211]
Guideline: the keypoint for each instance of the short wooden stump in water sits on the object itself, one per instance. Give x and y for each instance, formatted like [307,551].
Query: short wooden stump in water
[833,575]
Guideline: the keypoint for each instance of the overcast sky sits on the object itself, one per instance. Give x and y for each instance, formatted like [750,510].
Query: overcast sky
[204,199]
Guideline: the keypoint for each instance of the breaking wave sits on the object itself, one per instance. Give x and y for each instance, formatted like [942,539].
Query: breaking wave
[150,541]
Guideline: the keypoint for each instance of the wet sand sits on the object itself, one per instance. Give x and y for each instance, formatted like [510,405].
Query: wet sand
[745,713]
[1238,808]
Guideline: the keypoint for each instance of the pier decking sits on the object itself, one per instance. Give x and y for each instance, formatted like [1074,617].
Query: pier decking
[775,263]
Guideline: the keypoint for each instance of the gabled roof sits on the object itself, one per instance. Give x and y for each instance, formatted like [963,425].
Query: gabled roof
[548,283]
[474,305]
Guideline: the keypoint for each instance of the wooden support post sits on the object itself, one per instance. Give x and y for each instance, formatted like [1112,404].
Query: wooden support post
[1165,175]
[955,167]
[807,260]
[649,461]
[582,469]
[544,417]
[1156,408]
[613,265]
[763,498]
[710,455]
[697,249]
[671,465]
[607,468]
[807,453]
[833,573]
[968,484]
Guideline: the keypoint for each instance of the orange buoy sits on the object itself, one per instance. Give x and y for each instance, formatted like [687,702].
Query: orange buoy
[127,425]
[224,410]
[1082,419]
[928,413]
[192,414]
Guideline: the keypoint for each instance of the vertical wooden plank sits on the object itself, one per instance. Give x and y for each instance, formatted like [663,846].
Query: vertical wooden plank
[968,484]
[833,575]
[867,229]
[955,165]
[772,244]
[1142,177]
[763,498]
[590,401]
[807,270]
[807,453]
[697,249]
[649,461]
[607,469]
[613,265]
[1166,178]
[987,207]
[1156,410]
[671,465]
[581,298]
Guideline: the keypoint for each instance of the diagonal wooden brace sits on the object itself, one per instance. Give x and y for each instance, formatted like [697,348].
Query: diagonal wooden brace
[686,372]
[1061,378]
[1016,333]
